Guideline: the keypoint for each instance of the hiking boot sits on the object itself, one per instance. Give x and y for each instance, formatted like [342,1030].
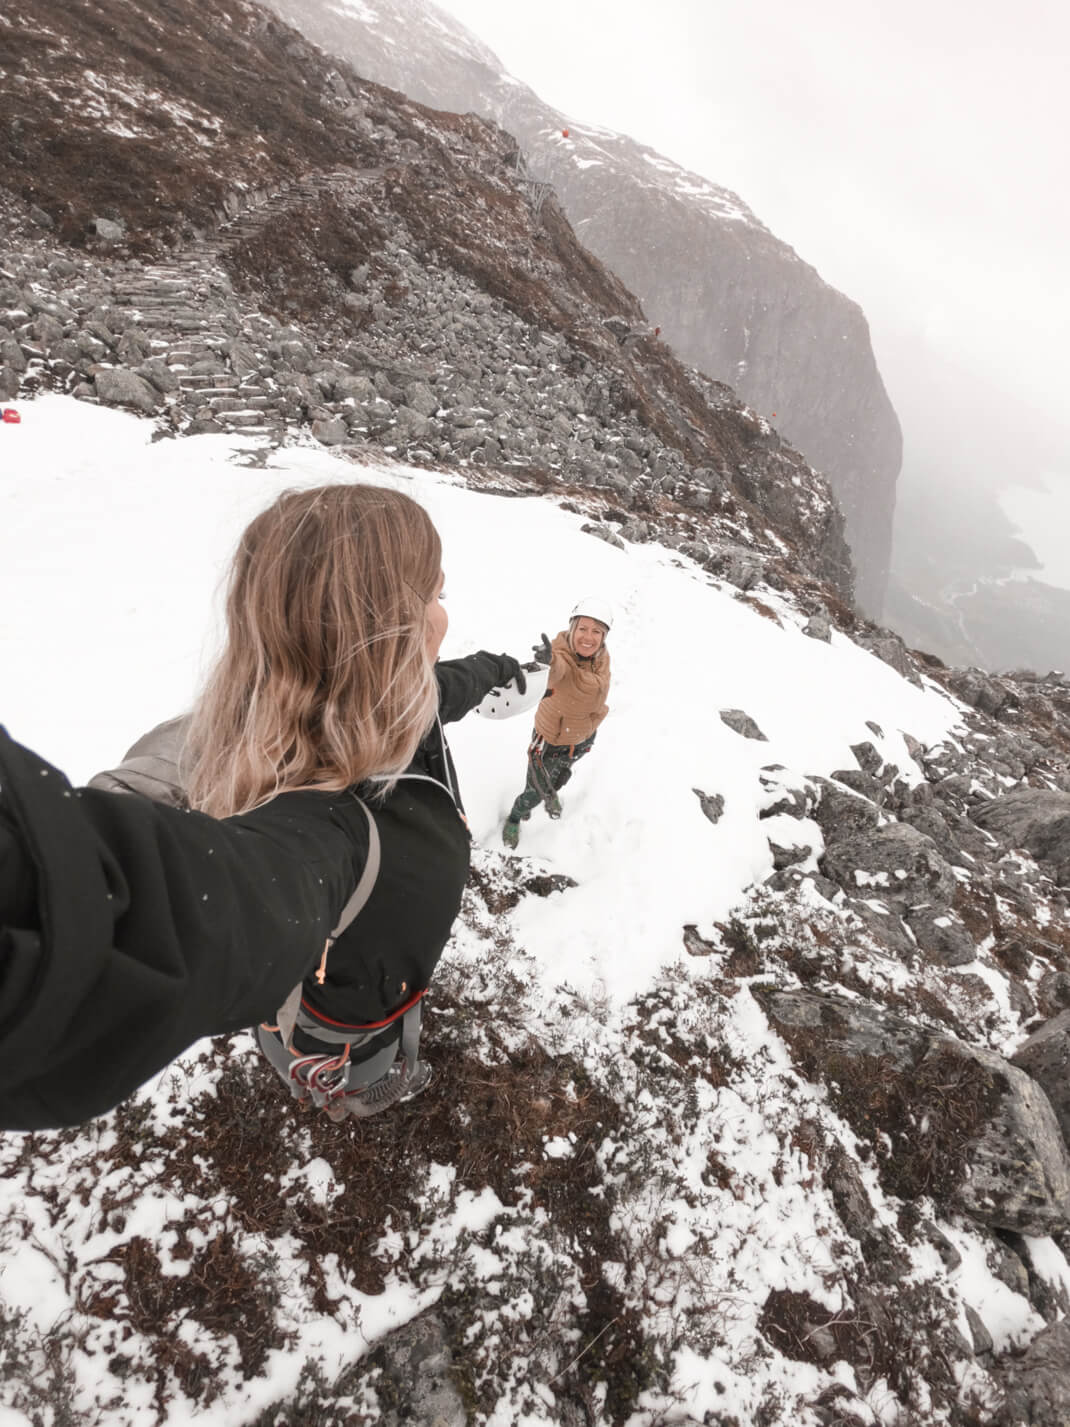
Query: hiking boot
[395,1087]
[553,805]
[511,832]
[418,1080]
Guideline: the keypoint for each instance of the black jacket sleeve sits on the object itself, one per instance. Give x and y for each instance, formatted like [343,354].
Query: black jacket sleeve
[128,929]
[464,683]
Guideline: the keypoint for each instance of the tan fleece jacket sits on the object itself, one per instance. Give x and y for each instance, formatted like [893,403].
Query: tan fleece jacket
[575,701]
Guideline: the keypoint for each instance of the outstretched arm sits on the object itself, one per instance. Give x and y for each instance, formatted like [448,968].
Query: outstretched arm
[128,930]
[464,683]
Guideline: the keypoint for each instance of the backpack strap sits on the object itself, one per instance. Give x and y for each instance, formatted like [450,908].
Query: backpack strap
[287,1016]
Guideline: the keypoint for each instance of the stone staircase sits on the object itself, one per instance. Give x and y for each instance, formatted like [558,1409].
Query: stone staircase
[180,307]
[250,221]
[179,310]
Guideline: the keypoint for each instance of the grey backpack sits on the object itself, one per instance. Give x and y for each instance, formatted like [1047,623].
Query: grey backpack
[334,1081]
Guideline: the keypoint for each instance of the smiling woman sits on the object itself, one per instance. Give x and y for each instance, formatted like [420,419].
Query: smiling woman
[568,714]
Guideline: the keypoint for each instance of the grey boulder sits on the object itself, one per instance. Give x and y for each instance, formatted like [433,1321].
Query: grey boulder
[742,723]
[897,861]
[1046,1057]
[961,1124]
[1037,1383]
[1037,819]
[116,386]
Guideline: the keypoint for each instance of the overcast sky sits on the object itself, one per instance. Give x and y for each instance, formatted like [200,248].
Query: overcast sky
[916,154]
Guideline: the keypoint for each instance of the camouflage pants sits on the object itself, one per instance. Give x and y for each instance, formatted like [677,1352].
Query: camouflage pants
[549,769]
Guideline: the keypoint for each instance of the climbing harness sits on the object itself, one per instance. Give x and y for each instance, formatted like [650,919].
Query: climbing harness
[332,1081]
[541,778]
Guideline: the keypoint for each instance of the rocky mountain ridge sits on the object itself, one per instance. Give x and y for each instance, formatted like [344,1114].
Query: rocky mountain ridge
[908,958]
[730,297]
[370,267]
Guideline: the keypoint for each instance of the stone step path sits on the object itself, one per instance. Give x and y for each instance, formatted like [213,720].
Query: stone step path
[342,182]
[178,306]
[179,313]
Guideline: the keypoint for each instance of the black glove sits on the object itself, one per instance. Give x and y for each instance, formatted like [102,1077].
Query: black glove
[543,653]
[509,668]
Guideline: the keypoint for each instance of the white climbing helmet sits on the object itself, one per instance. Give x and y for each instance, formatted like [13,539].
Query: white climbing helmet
[507,701]
[594,608]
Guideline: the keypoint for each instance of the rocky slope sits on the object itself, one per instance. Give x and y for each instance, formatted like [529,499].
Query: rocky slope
[732,299]
[378,278]
[418,299]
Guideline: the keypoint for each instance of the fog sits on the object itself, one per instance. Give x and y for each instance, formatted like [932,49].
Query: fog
[916,155]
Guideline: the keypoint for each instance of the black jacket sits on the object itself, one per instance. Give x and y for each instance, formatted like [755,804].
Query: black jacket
[390,952]
[129,929]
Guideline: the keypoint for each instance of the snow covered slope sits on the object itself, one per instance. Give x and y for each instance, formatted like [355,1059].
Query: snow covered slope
[114,562]
[636,1192]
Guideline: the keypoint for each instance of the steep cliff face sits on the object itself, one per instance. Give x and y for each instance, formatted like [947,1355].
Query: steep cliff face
[738,303]
[730,297]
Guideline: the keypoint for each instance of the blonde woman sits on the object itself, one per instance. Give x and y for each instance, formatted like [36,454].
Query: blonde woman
[316,775]
[569,713]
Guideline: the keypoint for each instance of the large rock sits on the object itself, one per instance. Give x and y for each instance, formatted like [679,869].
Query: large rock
[1037,1384]
[416,1362]
[840,813]
[1046,1057]
[946,1120]
[116,386]
[132,347]
[1019,1170]
[158,374]
[330,430]
[1037,819]
[242,356]
[932,823]
[107,230]
[978,690]
[12,355]
[741,722]
[421,398]
[411,424]
[941,935]
[896,861]
[46,329]
[350,386]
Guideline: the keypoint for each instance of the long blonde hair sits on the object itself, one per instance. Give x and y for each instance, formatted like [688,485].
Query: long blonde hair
[325,679]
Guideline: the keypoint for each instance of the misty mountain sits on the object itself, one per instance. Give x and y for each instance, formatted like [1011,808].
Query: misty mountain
[962,583]
[749,1099]
[419,296]
[958,584]
[730,297]
[738,303]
